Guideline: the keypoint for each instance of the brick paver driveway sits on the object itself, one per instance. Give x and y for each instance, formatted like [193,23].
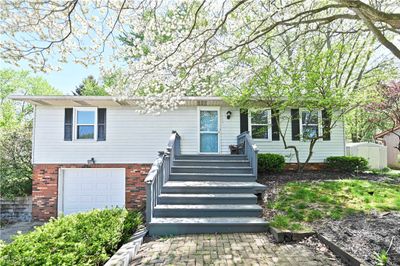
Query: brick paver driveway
[226,249]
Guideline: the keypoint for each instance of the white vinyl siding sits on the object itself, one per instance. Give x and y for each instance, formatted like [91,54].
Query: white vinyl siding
[131,137]
[135,138]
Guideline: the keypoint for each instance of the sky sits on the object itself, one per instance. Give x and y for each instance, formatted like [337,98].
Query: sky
[70,76]
[66,80]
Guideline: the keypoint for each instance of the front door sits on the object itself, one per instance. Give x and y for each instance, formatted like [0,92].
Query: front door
[209,130]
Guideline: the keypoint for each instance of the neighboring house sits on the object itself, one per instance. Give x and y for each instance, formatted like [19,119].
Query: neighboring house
[95,151]
[390,138]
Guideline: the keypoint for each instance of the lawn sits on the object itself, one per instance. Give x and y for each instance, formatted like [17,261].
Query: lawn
[300,203]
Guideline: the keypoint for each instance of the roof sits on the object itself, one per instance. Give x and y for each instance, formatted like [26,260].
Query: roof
[70,100]
[383,133]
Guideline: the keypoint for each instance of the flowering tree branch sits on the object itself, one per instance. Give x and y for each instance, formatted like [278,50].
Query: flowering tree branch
[177,48]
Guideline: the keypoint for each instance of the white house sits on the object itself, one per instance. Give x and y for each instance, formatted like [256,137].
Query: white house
[390,138]
[95,151]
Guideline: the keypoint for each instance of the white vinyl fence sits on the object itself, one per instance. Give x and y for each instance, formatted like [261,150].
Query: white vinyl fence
[375,154]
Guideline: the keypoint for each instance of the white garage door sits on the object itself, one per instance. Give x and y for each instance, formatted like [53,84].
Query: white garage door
[84,189]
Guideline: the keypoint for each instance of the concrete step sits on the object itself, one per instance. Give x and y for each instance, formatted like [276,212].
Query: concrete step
[212,177]
[191,187]
[175,226]
[207,199]
[206,210]
[211,169]
[228,163]
[211,157]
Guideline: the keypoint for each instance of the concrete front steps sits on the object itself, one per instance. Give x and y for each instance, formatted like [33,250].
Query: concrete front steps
[208,194]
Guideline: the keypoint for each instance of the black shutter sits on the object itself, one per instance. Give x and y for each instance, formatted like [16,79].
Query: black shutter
[326,125]
[68,118]
[244,120]
[101,124]
[295,124]
[275,126]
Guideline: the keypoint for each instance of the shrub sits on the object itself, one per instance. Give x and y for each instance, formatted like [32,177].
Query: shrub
[270,163]
[14,185]
[80,239]
[15,162]
[347,163]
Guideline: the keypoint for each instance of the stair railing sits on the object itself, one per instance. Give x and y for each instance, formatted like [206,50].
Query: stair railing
[247,146]
[159,173]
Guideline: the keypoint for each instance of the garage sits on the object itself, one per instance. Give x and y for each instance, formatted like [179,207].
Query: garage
[84,189]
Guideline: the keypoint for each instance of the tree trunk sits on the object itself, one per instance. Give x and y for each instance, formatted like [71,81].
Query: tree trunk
[310,153]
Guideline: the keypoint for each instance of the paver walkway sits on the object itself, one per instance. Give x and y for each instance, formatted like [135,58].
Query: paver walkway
[226,249]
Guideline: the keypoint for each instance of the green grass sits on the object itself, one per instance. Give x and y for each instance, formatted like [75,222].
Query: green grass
[387,172]
[301,202]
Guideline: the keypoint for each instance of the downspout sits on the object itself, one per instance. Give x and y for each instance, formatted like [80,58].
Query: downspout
[33,135]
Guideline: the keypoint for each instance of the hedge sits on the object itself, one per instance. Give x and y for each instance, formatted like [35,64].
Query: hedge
[80,239]
[347,163]
[270,163]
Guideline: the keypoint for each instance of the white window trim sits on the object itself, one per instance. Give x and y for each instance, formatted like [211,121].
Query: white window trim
[301,110]
[269,125]
[75,123]
[208,108]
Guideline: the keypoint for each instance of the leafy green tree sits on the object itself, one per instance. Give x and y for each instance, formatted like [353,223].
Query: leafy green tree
[90,87]
[323,73]
[362,125]
[16,129]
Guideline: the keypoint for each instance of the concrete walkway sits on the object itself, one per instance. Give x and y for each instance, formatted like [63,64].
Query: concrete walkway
[9,230]
[227,249]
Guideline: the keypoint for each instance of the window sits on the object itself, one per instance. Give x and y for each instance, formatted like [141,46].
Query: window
[85,123]
[309,124]
[260,124]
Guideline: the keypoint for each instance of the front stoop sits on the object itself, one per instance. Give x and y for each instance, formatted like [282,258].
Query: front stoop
[209,194]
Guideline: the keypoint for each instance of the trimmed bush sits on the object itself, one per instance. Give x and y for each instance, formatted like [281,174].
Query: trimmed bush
[80,239]
[347,163]
[270,163]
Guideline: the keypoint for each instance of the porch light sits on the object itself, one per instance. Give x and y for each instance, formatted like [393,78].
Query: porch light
[228,115]
[91,161]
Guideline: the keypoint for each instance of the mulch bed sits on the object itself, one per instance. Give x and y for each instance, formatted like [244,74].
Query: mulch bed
[363,235]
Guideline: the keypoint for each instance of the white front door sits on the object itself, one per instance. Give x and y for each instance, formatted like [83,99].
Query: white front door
[208,130]
[84,189]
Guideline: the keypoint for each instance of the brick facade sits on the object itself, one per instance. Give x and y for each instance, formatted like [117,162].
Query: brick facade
[45,186]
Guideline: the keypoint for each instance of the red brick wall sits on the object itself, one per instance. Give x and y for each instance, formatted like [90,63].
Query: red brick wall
[45,189]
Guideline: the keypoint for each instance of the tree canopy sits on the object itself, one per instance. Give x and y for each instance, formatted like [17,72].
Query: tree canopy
[176,48]
[90,87]
[16,130]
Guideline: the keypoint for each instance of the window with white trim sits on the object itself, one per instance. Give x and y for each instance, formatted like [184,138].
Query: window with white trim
[310,124]
[85,126]
[260,124]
